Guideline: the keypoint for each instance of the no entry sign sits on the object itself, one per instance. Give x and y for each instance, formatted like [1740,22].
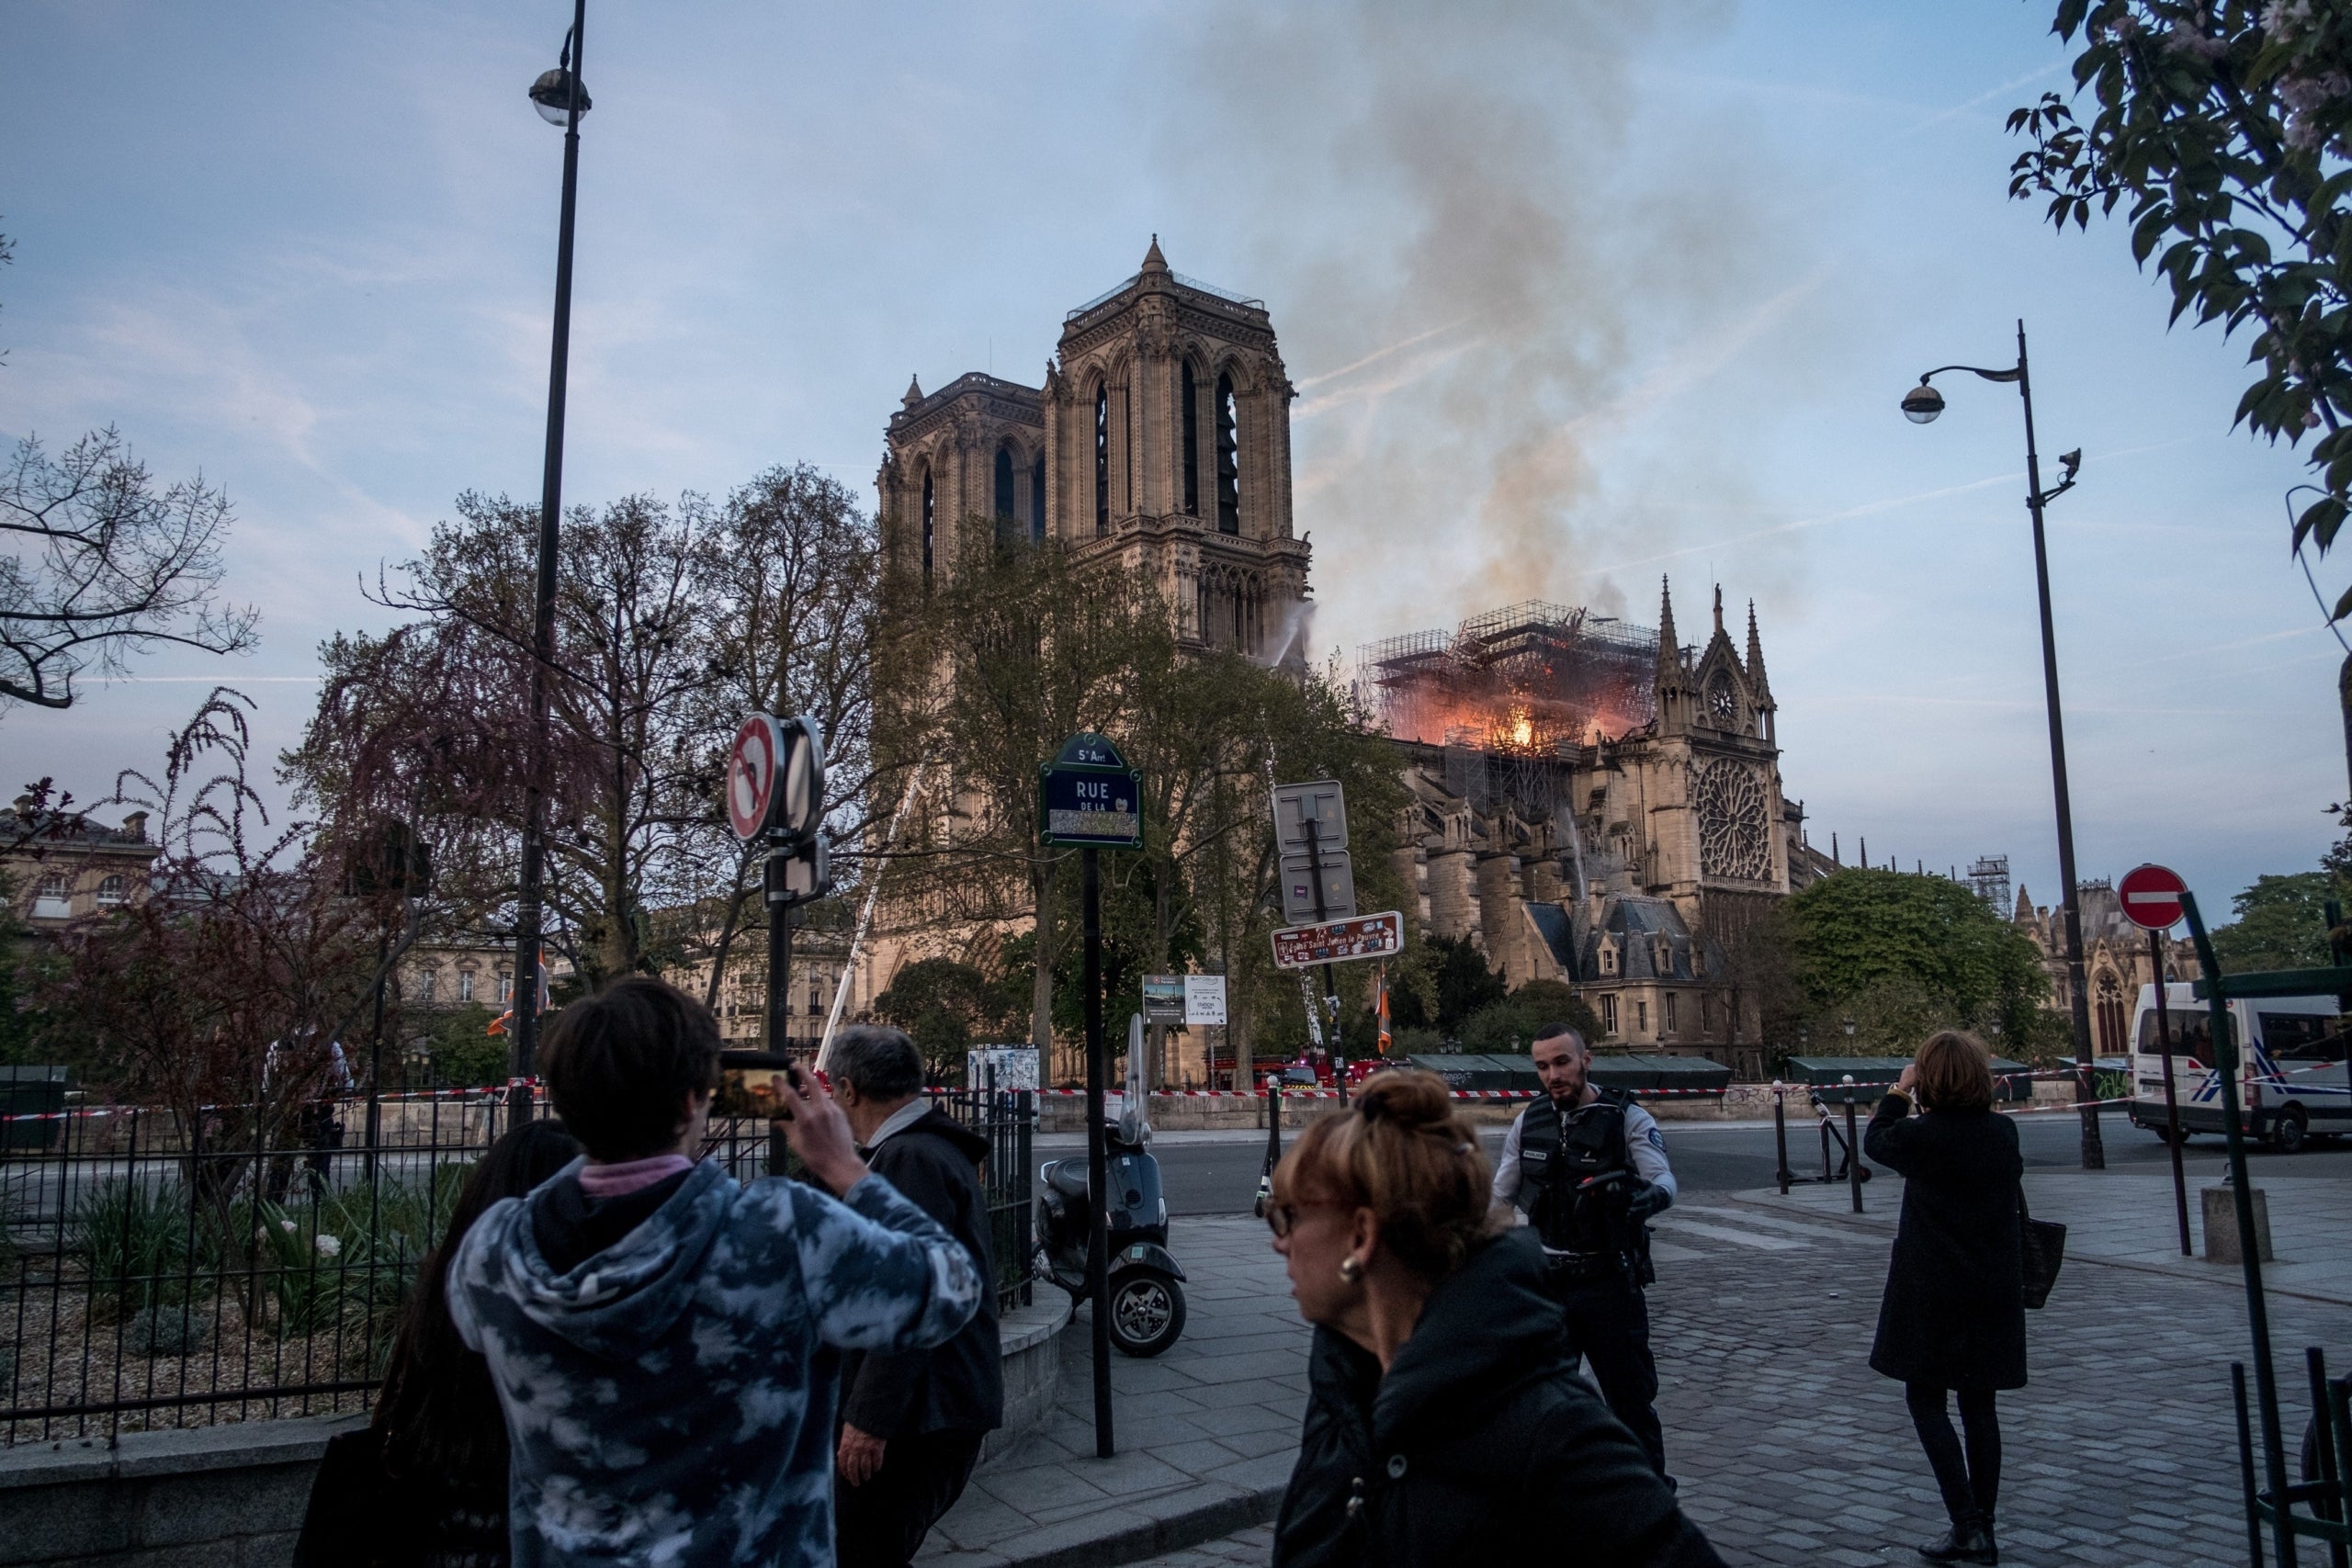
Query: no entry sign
[751,769]
[2151,895]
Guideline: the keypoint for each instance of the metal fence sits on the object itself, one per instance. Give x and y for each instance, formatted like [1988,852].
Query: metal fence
[159,1269]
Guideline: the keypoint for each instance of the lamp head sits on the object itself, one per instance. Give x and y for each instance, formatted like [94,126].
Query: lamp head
[552,95]
[2072,462]
[1922,403]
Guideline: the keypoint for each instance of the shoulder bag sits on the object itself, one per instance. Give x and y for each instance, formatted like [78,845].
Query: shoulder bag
[2043,1246]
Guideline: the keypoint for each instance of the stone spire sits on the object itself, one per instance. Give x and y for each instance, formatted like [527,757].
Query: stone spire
[1755,660]
[914,392]
[1152,260]
[1670,646]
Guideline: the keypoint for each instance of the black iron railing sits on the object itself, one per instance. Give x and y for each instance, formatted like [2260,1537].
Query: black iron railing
[161,1269]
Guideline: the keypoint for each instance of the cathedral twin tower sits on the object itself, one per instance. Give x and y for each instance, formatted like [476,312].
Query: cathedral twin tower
[1161,441]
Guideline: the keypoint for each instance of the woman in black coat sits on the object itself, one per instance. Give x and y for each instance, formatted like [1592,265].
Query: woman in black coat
[1444,1425]
[1952,1319]
[423,1483]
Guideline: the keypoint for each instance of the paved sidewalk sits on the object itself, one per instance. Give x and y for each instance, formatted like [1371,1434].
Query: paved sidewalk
[2128,1217]
[1789,1448]
[1206,1433]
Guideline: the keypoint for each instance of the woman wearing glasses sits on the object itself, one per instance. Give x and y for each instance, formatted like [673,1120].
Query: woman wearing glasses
[1444,1425]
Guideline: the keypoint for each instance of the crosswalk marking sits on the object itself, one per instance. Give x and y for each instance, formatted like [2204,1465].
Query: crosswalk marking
[1776,1225]
[1739,1238]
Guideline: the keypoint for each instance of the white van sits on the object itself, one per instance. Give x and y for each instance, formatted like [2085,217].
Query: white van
[2292,1081]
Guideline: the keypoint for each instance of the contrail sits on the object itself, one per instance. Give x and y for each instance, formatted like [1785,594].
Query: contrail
[1380,354]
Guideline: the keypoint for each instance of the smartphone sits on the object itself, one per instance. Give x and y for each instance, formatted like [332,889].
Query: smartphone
[751,1083]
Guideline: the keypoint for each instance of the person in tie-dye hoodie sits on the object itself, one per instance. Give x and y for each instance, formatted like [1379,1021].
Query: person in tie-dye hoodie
[662,1337]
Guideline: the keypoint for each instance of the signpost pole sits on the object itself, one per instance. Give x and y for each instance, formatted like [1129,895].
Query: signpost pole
[1330,993]
[1098,1067]
[2172,1095]
[779,949]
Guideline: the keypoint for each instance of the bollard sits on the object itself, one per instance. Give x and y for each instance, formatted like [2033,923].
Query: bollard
[1853,1149]
[1781,1132]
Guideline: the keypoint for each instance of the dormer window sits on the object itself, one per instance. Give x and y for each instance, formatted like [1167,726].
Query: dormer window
[1609,958]
[1662,955]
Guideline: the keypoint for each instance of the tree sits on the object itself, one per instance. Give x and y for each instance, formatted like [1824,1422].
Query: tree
[983,677]
[1902,954]
[1508,1026]
[106,564]
[788,580]
[218,995]
[2281,924]
[2228,124]
[945,1008]
[1447,988]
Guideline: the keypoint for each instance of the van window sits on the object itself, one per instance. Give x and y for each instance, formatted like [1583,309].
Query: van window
[2192,1034]
[2301,1037]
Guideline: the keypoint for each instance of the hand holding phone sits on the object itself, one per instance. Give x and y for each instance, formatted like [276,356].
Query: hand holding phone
[818,1131]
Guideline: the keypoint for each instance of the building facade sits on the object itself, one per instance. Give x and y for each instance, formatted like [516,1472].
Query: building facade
[1160,440]
[60,867]
[1626,864]
[2116,961]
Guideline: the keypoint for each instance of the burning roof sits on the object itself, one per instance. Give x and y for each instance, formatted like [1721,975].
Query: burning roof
[1529,679]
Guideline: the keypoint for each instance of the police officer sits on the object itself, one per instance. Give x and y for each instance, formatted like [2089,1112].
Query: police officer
[1587,1169]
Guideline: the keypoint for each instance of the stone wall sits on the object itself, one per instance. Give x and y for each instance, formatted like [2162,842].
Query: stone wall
[233,1496]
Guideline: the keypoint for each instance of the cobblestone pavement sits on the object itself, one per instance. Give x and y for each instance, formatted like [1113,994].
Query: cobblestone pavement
[1789,1450]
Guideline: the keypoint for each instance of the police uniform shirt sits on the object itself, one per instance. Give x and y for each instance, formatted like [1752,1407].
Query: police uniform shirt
[1645,1145]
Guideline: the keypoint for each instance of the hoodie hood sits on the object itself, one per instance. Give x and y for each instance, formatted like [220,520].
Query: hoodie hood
[1487,1329]
[623,1298]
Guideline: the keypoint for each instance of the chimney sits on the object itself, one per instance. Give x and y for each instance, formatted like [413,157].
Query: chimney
[135,825]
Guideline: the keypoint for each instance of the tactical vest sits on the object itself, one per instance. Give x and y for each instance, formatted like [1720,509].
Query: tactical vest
[1556,1152]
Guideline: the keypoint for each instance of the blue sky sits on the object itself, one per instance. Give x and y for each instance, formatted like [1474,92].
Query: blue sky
[1575,297]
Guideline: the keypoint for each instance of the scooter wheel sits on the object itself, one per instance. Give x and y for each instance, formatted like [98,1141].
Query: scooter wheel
[1147,1311]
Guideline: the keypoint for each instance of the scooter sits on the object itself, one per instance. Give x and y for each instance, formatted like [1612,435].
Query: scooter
[1147,1299]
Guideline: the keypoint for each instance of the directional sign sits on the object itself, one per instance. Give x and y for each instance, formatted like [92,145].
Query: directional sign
[751,769]
[1299,888]
[1089,798]
[1299,804]
[1335,941]
[2150,897]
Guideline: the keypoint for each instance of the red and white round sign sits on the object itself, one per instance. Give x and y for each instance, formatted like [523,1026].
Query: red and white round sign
[752,771]
[2151,895]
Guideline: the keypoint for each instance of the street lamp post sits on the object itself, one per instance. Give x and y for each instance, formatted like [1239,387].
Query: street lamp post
[1921,404]
[561,99]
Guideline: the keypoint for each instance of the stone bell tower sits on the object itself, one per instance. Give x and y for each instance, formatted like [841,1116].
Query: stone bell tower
[1161,440]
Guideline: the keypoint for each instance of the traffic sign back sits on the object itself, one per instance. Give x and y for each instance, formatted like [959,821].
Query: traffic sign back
[1321,803]
[2150,897]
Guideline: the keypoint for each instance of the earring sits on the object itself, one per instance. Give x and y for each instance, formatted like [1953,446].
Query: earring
[1350,1270]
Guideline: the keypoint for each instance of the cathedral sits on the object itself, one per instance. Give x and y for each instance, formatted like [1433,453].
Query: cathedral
[1591,802]
[1599,805]
[1161,440]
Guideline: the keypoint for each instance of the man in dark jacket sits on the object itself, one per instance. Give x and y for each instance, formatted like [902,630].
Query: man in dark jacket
[1481,1444]
[912,1424]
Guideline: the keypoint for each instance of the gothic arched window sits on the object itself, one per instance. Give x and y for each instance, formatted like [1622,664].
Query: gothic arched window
[1037,501]
[1228,460]
[1007,528]
[2109,1013]
[1189,400]
[1102,460]
[930,523]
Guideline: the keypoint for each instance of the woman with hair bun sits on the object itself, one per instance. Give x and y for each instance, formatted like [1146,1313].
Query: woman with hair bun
[1444,1422]
[1952,1323]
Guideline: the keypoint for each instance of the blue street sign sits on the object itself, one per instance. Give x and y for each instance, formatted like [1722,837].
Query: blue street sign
[1089,798]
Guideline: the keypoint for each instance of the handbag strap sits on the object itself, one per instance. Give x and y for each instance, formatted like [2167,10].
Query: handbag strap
[2024,1214]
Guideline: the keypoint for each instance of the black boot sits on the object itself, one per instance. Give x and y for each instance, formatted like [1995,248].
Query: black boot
[1970,1539]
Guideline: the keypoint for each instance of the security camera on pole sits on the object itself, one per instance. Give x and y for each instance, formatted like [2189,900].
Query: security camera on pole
[776,793]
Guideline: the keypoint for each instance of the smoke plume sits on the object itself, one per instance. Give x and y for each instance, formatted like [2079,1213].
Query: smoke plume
[1484,236]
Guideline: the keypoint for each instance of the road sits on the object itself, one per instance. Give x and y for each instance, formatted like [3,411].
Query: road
[1217,1173]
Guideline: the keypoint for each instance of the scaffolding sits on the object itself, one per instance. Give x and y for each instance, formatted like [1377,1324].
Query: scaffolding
[1527,680]
[1990,877]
